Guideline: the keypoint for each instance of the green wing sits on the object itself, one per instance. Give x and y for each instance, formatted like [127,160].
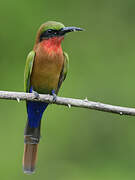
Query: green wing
[66,65]
[64,71]
[28,70]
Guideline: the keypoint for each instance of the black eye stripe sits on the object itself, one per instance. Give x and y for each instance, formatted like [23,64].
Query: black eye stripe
[49,33]
[52,31]
[49,30]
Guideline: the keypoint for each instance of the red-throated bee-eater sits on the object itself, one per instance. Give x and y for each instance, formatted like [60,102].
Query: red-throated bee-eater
[45,70]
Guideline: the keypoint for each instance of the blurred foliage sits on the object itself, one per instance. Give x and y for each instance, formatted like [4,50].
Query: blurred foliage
[76,144]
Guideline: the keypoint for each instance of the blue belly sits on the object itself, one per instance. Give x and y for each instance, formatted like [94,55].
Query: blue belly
[35,111]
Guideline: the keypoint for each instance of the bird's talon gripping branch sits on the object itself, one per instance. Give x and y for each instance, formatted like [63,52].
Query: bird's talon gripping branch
[35,94]
[54,96]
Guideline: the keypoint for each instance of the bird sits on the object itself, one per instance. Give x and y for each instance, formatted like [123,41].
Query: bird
[45,70]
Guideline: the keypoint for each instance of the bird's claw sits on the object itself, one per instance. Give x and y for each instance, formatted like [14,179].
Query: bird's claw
[54,96]
[35,94]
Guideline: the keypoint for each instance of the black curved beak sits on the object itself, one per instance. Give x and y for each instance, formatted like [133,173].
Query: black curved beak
[65,30]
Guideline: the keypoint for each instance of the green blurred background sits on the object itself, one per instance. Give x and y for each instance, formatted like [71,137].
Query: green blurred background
[76,144]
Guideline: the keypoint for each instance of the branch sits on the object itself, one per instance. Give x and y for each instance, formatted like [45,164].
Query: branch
[68,102]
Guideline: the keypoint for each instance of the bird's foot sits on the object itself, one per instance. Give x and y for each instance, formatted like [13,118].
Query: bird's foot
[35,94]
[54,96]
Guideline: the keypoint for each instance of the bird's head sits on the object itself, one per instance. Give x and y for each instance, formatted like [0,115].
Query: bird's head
[54,30]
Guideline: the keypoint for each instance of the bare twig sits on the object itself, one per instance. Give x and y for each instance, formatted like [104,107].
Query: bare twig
[70,102]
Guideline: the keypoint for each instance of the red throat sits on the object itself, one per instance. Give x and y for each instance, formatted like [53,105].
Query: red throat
[52,45]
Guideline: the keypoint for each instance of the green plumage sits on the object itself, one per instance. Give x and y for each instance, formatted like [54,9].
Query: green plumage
[28,70]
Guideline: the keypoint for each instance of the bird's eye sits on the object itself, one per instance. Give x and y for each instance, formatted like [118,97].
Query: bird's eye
[49,31]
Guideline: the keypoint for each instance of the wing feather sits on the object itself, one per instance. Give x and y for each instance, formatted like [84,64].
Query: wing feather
[28,70]
[64,71]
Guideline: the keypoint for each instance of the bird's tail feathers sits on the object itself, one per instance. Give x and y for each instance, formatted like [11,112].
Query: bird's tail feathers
[29,158]
[31,140]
